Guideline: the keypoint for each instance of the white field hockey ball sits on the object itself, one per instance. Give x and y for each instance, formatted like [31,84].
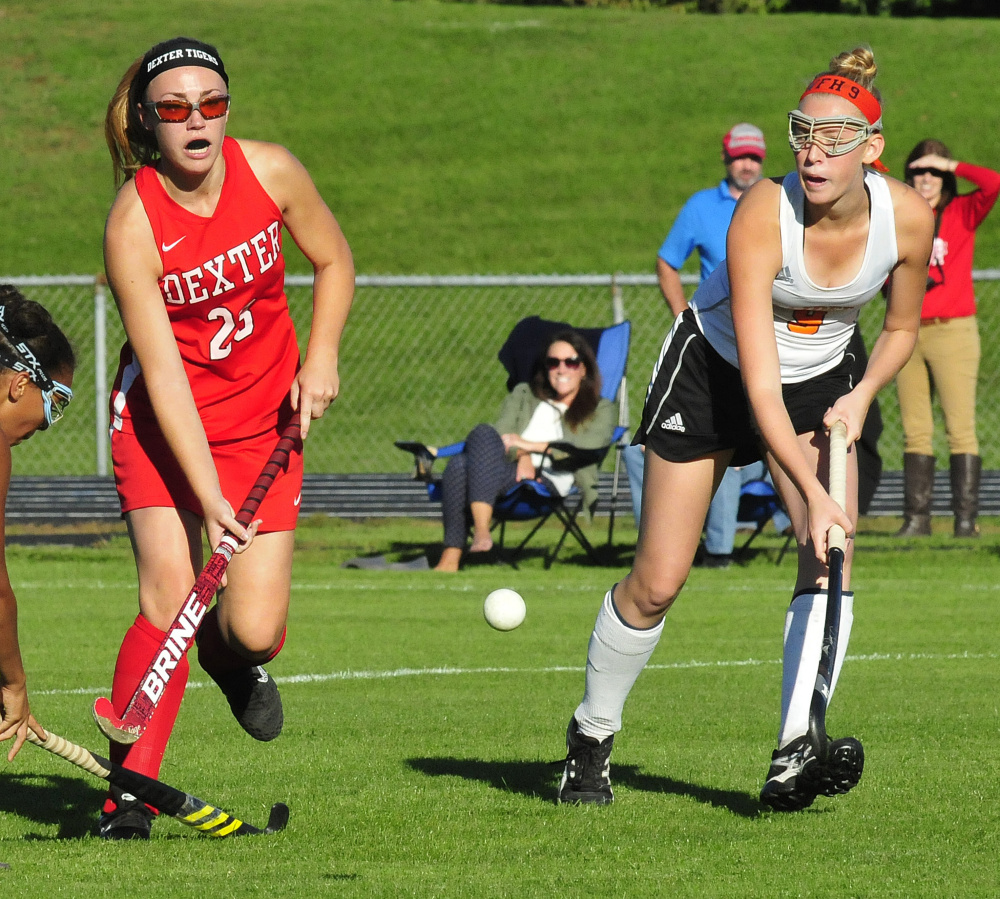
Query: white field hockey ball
[504,609]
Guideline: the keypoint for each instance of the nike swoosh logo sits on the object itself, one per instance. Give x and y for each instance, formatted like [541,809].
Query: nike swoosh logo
[167,247]
[297,500]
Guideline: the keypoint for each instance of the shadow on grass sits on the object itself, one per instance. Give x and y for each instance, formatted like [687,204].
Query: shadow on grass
[613,556]
[536,779]
[65,802]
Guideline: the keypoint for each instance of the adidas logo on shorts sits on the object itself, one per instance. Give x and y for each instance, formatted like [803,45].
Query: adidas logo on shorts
[674,423]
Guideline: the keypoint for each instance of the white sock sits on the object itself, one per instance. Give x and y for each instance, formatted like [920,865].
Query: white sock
[802,649]
[616,655]
[843,638]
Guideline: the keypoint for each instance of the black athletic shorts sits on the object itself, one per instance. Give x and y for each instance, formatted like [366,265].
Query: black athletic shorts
[696,404]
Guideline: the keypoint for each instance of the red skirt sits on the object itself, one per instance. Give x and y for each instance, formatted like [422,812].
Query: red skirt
[147,474]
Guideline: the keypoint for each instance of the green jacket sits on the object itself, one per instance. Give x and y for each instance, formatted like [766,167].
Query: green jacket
[594,433]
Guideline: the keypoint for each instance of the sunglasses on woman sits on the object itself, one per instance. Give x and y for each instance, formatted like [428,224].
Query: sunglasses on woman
[553,362]
[176,111]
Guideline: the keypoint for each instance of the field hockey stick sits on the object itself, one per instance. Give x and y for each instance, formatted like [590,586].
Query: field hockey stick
[180,635]
[836,546]
[183,806]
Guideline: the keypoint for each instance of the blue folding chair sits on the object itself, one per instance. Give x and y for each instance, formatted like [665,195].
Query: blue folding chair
[532,500]
[759,502]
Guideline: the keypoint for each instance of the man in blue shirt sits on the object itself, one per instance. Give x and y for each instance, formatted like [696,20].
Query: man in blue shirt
[702,225]
[703,222]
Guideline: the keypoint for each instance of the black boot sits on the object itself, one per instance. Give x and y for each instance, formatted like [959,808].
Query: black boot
[918,487]
[965,471]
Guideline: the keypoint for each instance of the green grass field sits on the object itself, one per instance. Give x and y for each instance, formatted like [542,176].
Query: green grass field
[416,752]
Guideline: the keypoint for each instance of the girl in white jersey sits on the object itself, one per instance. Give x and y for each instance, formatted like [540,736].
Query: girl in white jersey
[756,367]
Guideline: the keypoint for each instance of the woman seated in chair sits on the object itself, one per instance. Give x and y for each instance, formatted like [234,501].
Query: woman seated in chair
[562,403]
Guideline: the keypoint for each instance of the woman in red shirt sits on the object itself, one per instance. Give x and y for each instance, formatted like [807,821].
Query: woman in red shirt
[208,379]
[947,350]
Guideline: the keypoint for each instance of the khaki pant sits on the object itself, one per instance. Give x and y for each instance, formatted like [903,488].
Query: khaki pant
[946,359]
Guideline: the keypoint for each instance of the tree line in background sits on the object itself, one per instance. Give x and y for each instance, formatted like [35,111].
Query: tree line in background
[938,8]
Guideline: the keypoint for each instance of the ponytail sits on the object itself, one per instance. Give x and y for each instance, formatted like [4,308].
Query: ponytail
[130,143]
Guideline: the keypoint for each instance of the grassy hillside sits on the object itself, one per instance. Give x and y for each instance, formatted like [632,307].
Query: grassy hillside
[462,137]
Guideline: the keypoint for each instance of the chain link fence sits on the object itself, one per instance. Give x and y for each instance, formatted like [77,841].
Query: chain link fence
[419,361]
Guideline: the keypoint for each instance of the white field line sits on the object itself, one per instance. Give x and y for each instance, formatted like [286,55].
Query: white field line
[551,669]
[394,584]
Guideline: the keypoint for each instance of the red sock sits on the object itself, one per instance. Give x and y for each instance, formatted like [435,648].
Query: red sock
[142,642]
[215,655]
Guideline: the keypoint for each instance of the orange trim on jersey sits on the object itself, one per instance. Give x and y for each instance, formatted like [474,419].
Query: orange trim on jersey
[806,321]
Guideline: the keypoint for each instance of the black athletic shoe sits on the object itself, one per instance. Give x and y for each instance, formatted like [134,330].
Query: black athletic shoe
[253,696]
[587,767]
[788,787]
[842,769]
[797,776]
[131,820]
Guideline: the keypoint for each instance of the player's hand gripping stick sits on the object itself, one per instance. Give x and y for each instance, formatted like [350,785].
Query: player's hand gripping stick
[180,635]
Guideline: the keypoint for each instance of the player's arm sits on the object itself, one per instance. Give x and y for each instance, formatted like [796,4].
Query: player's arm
[895,343]
[754,259]
[15,714]
[678,245]
[133,268]
[317,233]
[671,286]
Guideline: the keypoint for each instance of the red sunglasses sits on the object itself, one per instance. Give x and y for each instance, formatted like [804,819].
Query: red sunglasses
[177,111]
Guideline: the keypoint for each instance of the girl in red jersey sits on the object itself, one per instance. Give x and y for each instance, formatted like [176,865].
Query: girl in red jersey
[947,351]
[208,378]
[36,374]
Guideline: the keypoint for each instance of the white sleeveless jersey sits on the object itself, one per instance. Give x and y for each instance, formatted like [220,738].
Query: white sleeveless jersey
[812,324]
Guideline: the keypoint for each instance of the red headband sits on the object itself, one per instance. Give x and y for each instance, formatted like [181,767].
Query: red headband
[850,91]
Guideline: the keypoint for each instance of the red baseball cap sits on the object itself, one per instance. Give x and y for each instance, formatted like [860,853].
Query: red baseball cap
[744,140]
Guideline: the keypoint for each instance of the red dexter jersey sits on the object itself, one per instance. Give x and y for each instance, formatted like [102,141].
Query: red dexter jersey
[223,286]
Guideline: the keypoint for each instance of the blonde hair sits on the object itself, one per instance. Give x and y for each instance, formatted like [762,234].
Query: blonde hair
[858,65]
[130,143]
